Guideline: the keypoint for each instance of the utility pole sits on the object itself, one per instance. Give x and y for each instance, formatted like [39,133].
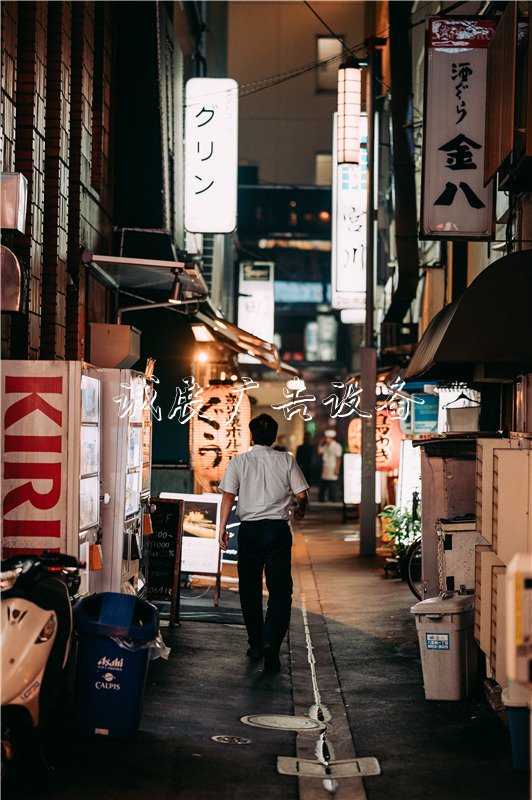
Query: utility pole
[368,352]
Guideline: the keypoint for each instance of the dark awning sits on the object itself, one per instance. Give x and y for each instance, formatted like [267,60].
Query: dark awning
[486,332]
[240,341]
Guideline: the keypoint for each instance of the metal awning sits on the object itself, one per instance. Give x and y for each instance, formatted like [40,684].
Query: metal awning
[151,275]
[148,274]
[486,333]
[240,341]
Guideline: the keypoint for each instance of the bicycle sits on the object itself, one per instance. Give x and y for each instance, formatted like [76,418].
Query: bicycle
[413,568]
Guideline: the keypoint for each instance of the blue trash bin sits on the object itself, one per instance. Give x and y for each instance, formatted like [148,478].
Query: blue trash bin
[110,679]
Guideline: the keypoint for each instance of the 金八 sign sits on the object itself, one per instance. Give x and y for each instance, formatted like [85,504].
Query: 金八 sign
[455,203]
[211,155]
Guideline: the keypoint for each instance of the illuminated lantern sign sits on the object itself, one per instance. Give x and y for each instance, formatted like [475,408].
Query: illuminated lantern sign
[354,435]
[388,440]
[219,431]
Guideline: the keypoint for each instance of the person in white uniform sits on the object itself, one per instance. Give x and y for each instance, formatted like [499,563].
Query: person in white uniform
[331,453]
[267,482]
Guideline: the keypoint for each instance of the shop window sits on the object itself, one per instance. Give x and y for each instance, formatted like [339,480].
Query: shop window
[329,50]
[323,169]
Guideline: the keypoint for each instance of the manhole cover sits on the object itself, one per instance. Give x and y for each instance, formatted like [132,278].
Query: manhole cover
[283,722]
[350,768]
[231,740]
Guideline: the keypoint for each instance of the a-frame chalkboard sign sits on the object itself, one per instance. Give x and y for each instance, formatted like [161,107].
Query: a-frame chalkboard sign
[165,543]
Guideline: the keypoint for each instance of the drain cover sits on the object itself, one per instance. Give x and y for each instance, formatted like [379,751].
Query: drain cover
[283,722]
[352,768]
[231,740]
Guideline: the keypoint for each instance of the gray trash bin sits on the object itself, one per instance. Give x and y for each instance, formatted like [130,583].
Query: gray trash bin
[448,649]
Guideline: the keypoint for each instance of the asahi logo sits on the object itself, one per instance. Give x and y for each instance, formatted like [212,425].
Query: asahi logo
[108,663]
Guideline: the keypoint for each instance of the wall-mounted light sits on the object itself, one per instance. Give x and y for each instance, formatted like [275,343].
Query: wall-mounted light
[202,356]
[176,295]
[201,333]
[349,101]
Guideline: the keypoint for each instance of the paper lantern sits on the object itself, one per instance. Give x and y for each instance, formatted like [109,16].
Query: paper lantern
[387,440]
[354,435]
[219,431]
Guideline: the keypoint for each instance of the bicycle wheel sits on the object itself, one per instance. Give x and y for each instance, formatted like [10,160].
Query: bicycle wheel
[413,568]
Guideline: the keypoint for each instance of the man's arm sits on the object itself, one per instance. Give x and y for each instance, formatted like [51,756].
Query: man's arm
[338,459]
[302,502]
[225,510]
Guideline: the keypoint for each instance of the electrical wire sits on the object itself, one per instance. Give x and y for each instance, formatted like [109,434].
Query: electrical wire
[247,89]
[442,13]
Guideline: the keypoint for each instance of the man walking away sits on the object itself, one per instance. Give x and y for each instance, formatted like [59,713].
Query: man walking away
[266,481]
[331,453]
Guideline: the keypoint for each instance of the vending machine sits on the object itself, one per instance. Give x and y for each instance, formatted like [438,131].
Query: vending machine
[126,468]
[51,490]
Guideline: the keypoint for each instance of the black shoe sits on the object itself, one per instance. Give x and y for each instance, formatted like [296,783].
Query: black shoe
[254,653]
[271,660]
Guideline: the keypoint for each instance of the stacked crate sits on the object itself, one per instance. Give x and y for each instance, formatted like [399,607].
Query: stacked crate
[504,517]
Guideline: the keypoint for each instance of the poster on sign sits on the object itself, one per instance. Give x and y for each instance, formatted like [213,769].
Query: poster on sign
[201,532]
[455,203]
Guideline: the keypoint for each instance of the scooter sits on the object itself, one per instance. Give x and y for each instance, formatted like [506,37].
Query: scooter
[36,629]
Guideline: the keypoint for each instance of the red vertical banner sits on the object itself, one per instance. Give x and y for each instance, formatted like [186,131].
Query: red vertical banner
[34,458]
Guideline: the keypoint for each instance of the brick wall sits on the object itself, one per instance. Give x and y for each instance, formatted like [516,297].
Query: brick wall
[57,69]
[29,159]
[57,173]
[8,110]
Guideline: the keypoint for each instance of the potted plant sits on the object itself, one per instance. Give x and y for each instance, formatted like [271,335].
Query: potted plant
[401,529]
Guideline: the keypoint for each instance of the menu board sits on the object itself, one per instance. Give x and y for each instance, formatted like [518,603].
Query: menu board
[201,532]
[164,553]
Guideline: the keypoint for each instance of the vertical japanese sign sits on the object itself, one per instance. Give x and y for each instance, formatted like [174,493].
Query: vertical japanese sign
[348,271]
[211,155]
[455,203]
[219,430]
[256,302]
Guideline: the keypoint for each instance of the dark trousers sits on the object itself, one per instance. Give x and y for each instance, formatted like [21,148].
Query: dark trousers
[329,488]
[265,545]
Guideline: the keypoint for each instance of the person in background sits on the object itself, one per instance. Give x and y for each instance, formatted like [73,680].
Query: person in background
[281,444]
[306,456]
[266,483]
[331,453]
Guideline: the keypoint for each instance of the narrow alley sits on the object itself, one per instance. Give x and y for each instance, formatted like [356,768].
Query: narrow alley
[352,651]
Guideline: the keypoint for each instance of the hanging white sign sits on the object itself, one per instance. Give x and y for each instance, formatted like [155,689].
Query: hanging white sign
[353,480]
[455,203]
[256,303]
[349,229]
[211,155]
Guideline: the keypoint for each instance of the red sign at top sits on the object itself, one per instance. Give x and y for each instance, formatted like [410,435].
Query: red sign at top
[460,33]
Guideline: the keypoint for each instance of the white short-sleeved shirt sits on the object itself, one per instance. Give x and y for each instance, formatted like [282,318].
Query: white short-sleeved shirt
[264,480]
[330,452]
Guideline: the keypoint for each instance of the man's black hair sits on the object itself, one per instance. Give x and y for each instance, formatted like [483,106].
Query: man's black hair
[263,430]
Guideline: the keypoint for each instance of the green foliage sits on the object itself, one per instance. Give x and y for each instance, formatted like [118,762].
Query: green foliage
[401,527]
